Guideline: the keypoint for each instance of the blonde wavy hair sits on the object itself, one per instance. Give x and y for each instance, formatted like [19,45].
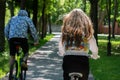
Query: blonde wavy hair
[76,24]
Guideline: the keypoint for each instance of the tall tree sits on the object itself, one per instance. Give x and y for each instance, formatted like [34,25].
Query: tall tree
[22,4]
[35,11]
[2,23]
[94,16]
[43,19]
[11,7]
[49,23]
[115,14]
[109,21]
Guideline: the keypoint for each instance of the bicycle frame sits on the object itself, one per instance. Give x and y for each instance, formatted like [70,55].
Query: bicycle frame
[18,59]
[75,67]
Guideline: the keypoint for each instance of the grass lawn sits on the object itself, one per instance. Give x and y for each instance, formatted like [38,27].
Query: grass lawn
[4,57]
[107,67]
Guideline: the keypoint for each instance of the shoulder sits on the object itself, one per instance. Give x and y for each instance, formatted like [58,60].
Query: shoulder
[14,17]
[28,19]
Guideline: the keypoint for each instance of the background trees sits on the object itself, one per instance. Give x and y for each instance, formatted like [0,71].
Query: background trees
[47,12]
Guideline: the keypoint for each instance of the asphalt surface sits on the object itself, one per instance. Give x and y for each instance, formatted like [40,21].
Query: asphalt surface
[45,63]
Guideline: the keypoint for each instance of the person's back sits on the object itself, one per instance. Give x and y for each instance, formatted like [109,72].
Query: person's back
[19,25]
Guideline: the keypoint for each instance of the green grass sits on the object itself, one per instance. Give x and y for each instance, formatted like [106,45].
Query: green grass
[107,67]
[4,57]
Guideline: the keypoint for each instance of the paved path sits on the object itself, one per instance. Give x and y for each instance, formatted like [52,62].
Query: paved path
[45,64]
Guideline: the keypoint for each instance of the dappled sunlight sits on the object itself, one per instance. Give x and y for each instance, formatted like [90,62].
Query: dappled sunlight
[102,41]
[45,64]
[42,52]
[115,42]
[115,53]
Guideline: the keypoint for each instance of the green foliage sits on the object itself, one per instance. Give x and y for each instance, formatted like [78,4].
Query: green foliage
[49,6]
[3,64]
[7,14]
[102,4]
[87,7]
[61,2]
[65,6]
[57,8]
[118,20]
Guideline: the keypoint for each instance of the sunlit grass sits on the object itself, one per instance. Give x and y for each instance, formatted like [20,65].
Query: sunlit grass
[103,41]
[107,67]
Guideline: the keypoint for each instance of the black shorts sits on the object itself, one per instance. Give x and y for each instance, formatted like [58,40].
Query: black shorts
[73,63]
[23,43]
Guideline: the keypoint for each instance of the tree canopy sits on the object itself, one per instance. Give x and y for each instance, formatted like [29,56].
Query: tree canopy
[47,12]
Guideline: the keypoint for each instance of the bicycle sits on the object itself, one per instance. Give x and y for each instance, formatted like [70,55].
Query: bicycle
[19,73]
[75,76]
[74,69]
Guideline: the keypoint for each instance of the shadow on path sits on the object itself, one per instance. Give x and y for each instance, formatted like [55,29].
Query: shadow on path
[45,64]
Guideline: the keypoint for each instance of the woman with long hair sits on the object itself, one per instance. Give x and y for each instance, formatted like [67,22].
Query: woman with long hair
[76,41]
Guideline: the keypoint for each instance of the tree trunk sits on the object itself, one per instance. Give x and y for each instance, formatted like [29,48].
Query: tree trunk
[22,4]
[94,16]
[45,25]
[39,26]
[49,25]
[2,24]
[35,11]
[109,21]
[11,7]
[114,19]
[43,21]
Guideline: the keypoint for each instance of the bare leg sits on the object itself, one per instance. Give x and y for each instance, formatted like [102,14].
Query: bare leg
[12,60]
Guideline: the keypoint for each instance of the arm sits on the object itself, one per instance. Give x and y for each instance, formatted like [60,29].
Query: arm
[61,48]
[93,48]
[33,30]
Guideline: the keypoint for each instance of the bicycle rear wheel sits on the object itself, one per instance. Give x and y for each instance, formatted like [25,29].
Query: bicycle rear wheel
[15,71]
[23,74]
[17,75]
